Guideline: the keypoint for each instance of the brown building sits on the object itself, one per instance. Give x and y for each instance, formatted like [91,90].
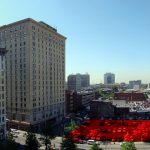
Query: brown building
[72,101]
[130,96]
[76,101]
[105,109]
[101,109]
[121,112]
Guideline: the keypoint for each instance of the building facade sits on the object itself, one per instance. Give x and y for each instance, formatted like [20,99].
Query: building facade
[85,80]
[106,109]
[134,84]
[73,102]
[2,94]
[78,81]
[35,71]
[101,109]
[76,101]
[74,82]
[109,78]
[130,96]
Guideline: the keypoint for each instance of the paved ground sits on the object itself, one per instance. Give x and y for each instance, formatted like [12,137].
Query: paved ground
[56,143]
[116,146]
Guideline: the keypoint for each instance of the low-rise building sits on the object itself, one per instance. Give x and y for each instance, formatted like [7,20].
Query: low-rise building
[72,102]
[120,109]
[101,109]
[121,112]
[130,96]
[114,109]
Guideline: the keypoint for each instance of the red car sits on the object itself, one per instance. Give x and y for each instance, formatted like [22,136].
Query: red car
[76,140]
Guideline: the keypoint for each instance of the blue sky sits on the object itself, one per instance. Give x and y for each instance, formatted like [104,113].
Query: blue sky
[102,35]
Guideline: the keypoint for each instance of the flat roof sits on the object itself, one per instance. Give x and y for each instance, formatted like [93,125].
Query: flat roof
[41,23]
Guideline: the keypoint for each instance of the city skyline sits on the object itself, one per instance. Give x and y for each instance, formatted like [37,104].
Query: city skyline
[102,36]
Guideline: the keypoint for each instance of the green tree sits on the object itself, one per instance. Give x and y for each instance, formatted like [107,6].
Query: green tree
[32,142]
[10,143]
[115,89]
[95,147]
[107,94]
[128,146]
[71,127]
[10,136]
[68,144]
[48,134]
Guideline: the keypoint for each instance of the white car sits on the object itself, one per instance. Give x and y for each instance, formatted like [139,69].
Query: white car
[15,136]
[91,142]
[17,132]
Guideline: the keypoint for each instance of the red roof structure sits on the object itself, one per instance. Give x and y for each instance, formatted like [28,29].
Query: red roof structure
[113,130]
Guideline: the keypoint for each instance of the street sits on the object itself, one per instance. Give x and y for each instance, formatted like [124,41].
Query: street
[56,143]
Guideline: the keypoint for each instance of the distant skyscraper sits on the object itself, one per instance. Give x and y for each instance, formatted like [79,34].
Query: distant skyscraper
[35,74]
[74,82]
[135,83]
[85,80]
[109,78]
[78,81]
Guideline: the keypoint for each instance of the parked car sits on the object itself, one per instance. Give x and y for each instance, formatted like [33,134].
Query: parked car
[81,142]
[16,132]
[15,136]
[40,138]
[76,140]
[90,142]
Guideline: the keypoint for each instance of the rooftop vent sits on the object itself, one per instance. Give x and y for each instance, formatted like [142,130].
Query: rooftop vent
[48,26]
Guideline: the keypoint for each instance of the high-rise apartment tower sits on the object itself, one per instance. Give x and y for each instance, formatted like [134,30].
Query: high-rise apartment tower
[109,78]
[78,81]
[35,65]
